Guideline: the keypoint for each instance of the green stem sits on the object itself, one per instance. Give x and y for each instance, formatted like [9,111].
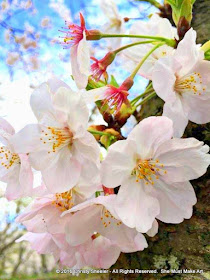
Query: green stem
[136,99]
[133,74]
[170,42]
[133,44]
[98,132]
[151,95]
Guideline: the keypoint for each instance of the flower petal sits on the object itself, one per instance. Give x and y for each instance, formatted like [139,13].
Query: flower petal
[135,208]
[81,79]
[118,163]
[176,201]
[150,133]
[82,225]
[177,114]
[63,174]
[183,159]
[102,253]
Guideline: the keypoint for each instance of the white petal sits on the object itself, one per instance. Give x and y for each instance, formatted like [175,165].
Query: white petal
[187,52]
[63,174]
[88,147]
[95,94]
[80,79]
[82,225]
[177,113]
[150,133]
[176,201]
[83,56]
[183,159]
[118,163]
[41,102]
[135,208]
[164,87]
[27,139]
[102,253]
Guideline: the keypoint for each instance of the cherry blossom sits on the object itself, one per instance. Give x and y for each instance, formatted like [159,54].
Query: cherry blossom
[80,56]
[156,26]
[97,252]
[98,215]
[59,145]
[153,172]
[185,87]
[115,22]
[15,169]
[99,67]
[44,214]
[46,232]
[111,95]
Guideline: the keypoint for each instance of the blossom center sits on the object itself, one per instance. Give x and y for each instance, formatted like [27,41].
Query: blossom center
[148,170]
[107,218]
[63,201]
[56,138]
[7,158]
[115,97]
[190,83]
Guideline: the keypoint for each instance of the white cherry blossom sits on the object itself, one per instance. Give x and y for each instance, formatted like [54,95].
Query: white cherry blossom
[59,145]
[156,26]
[153,172]
[15,169]
[183,82]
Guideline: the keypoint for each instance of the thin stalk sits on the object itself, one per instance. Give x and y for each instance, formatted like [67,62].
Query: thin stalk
[133,74]
[133,44]
[136,99]
[170,42]
[151,95]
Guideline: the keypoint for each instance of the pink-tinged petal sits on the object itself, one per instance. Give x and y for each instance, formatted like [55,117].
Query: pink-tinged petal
[198,108]
[135,208]
[95,94]
[101,254]
[127,239]
[54,84]
[176,201]
[177,114]
[40,242]
[164,87]
[187,53]
[82,225]
[88,147]
[13,190]
[63,174]
[118,163]
[5,126]
[20,180]
[154,229]
[26,175]
[11,174]
[72,104]
[183,159]
[83,56]
[67,259]
[28,139]
[150,133]
[41,102]
[81,79]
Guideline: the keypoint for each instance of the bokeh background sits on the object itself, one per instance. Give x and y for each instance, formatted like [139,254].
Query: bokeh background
[30,52]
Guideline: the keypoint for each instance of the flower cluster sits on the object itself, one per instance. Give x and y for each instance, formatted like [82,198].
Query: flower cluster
[89,209]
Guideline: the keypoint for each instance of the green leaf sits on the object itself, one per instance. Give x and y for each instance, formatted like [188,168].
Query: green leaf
[113,82]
